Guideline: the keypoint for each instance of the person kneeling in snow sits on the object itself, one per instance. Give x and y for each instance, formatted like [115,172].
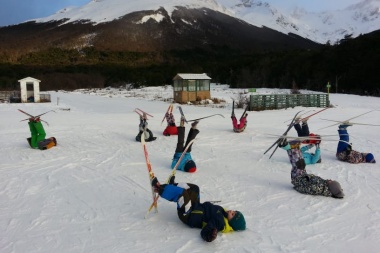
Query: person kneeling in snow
[308,183]
[187,164]
[209,217]
[37,139]
[344,150]
[171,128]
[143,129]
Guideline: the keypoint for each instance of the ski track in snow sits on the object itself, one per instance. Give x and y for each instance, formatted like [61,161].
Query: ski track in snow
[91,192]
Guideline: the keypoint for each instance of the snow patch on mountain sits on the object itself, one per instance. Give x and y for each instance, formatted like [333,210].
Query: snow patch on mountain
[322,27]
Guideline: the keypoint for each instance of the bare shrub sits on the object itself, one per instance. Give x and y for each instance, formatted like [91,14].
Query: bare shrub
[241,100]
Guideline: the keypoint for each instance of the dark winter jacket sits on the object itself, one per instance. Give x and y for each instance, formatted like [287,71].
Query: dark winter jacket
[208,216]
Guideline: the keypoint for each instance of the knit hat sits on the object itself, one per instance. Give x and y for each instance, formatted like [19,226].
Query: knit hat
[335,189]
[237,222]
[295,144]
[190,166]
[369,158]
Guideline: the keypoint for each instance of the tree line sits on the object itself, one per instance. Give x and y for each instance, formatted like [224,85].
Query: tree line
[349,66]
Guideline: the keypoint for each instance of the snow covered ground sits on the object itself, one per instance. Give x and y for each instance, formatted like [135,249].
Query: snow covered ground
[91,192]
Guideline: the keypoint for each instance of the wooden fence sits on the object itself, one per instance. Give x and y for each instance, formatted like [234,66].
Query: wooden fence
[279,101]
[15,97]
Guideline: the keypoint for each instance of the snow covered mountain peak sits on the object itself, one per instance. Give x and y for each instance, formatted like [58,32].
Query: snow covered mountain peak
[322,27]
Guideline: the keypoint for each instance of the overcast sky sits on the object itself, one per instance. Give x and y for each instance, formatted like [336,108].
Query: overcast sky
[18,11]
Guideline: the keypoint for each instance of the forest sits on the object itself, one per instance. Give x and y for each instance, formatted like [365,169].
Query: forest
[350,66]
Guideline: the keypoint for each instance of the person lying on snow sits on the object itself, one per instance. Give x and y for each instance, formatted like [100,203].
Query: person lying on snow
[344,150]
[239,127]
[209,217]
[308,183]
[37,139]
[187,163]
[171,128]
[143,128]
[315,140]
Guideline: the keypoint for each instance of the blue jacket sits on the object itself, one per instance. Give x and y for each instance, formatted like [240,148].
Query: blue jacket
[310,158]
[307,157]
[176,157]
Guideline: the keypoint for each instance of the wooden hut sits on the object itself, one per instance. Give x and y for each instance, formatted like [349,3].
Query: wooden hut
[191,87]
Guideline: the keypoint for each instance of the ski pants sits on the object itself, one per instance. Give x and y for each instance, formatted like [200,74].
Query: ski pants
[37,133]
[302,131]
[181,139]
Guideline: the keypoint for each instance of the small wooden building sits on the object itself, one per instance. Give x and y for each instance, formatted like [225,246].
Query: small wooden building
[30,90]
[191,87]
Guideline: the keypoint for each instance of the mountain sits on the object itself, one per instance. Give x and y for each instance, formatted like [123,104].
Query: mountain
[157,28]
[321,27]
[146,42]
[327,26]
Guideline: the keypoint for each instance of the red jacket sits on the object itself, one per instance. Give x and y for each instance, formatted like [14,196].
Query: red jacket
[170,130]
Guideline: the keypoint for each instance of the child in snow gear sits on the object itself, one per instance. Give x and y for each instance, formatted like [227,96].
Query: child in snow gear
[315,140]
[239,127]
[37,139]
[171,128]
[209,217]
[308,183]
[143,128]
[344,150]
[187,164]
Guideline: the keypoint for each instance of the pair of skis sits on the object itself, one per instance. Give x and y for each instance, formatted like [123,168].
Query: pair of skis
[170,110]
[348,121]
[149,167]
[142,113]
[205,117]
[282,138]
[35,117]
[292,123]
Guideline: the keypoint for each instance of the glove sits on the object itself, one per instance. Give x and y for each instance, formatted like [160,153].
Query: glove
[212,236]
[317,145]
[171,180]
[155,182]
[283,142]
